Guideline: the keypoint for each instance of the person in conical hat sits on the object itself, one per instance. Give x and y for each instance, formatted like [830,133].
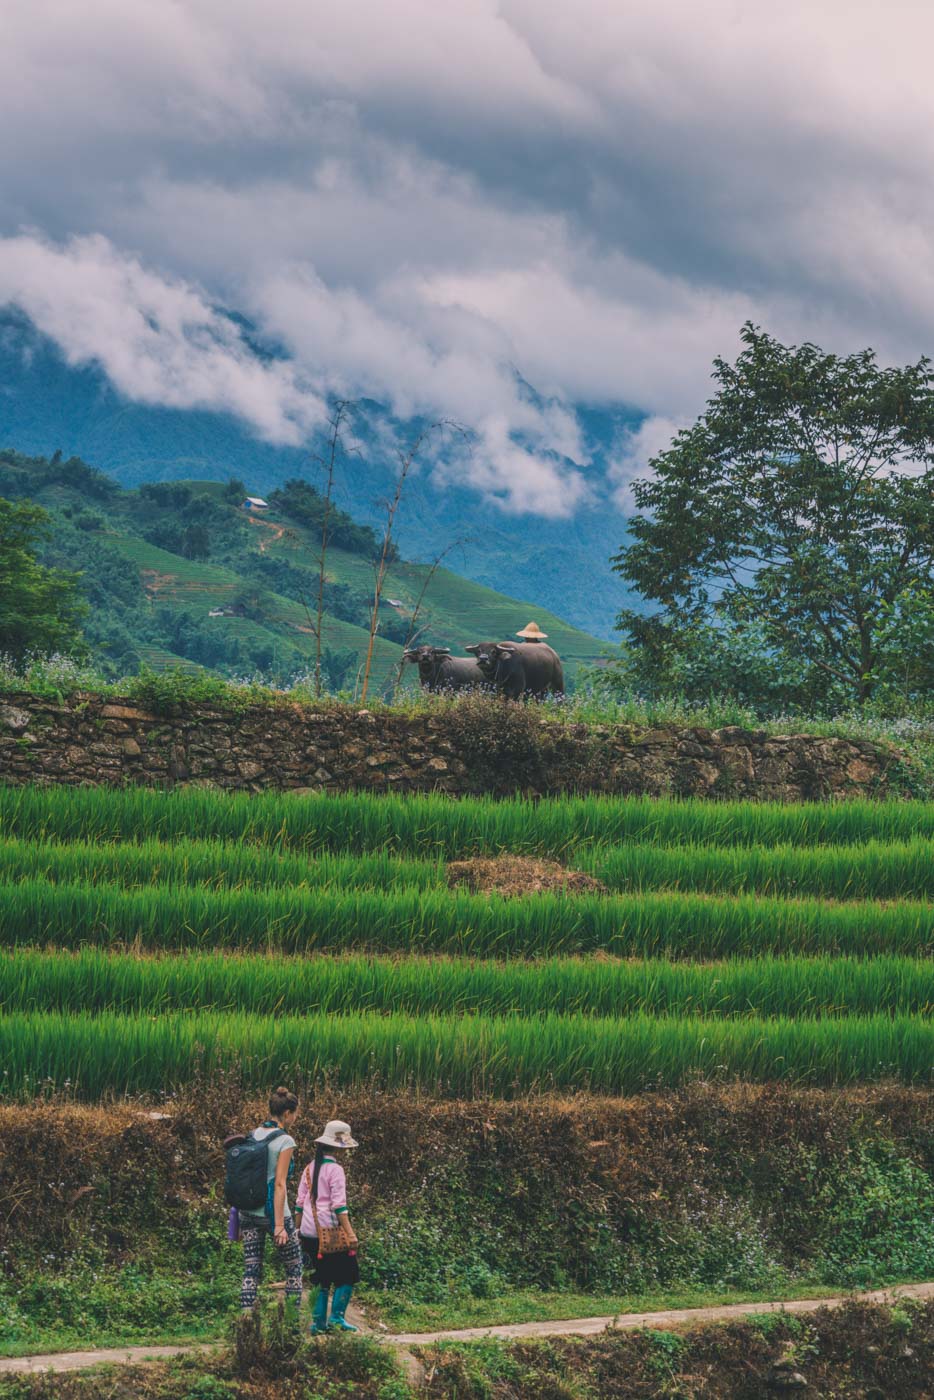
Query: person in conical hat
[322,1196]
[532,633]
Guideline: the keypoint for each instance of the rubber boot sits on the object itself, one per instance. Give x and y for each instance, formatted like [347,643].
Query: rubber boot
[319,1314]
[339,1322]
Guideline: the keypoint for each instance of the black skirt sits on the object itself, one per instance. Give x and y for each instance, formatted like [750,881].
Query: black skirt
[341,1270]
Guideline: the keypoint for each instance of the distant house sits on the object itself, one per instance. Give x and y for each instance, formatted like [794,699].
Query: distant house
[255,503]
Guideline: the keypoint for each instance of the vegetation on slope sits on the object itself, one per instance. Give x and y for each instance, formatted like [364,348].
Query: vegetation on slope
[157,561]
[708,1193]
[871,870]
[436,825]
[96,980]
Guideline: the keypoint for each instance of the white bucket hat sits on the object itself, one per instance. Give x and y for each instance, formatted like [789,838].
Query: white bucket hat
[336,1134]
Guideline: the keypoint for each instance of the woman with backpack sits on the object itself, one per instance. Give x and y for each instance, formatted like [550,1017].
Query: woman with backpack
[328,1241]
[273,1216]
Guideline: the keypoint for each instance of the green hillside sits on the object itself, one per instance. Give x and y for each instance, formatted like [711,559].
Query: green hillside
[178,573]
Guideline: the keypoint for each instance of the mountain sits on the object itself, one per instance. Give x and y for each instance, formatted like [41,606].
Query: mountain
[181,573]
[48,405]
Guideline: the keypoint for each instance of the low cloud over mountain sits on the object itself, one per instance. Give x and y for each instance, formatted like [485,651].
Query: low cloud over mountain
[426,204]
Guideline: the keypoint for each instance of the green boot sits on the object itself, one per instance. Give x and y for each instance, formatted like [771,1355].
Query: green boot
[341,1299]
[319,1315]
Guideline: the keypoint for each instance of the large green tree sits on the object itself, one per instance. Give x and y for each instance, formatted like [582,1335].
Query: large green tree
[801,505]
[40,608]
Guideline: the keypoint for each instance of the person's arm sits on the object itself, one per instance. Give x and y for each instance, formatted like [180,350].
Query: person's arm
[302,1196]
[278,1195]
[348,1231]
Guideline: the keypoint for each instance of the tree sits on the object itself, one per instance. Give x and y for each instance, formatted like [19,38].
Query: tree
[335,450]
[40,609]
[801,503]
[700,663]
[196,542]
[408,457]
[904,646]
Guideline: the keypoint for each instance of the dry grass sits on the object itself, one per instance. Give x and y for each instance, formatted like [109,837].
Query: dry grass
[520,875]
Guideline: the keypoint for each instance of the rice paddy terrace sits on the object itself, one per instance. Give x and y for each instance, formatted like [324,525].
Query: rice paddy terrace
[148,936]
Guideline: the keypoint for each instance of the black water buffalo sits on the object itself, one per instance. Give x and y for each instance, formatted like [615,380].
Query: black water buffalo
[438,670]
[483,651]
[526,670]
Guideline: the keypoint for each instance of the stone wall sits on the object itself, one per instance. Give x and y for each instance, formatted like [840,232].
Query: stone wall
[471,747]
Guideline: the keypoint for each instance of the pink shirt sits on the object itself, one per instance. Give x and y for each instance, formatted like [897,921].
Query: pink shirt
[331,1200]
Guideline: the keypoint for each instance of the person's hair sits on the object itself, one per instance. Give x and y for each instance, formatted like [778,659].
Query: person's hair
[320,1153]
[281,1101]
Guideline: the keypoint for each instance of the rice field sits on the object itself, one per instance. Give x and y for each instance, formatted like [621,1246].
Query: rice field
[148,937]
[873,870]
[459,1056]
[416,986]
[445,826]
[670,923]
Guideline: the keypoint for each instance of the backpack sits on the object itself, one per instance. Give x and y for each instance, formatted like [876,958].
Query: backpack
[246,1168]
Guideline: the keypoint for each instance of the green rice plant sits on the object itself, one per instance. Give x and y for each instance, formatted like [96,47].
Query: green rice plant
[675,924]
[93,1056]
[218,864]
[442,826]
[874,870]
[93,980]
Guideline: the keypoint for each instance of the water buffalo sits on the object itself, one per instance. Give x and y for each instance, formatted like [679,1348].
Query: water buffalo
[483,651]
[528,670]
[438,670]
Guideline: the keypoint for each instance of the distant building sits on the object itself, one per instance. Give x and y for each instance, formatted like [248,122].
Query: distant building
[255,503]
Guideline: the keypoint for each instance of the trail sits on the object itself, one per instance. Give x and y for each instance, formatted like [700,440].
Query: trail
[577,1327]
[277,531]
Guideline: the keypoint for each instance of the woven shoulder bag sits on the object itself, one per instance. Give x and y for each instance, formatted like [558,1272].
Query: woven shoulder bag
[331,1238]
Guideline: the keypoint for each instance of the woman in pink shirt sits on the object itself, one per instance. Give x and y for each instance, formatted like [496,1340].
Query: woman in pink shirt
[322,1200]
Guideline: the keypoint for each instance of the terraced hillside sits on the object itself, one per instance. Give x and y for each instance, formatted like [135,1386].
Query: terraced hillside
[445,972]
[761,943]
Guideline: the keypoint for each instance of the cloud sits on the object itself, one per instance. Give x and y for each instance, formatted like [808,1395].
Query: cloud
[628,462]
[422,203]
[157,340]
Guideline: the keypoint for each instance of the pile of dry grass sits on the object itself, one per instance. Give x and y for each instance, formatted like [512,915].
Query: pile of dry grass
[520,875]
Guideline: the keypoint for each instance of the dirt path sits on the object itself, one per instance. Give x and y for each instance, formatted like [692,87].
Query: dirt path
[580,1327]
[686,1317]
[277,531]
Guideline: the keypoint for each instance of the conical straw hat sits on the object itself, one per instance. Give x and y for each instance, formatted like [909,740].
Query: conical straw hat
[532,630]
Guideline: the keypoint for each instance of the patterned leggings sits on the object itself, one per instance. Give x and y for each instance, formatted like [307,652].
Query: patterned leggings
[253,1235]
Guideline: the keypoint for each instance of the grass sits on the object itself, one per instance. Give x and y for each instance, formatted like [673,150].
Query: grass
[214,864]
[93,1056]
[875,870]
[459,1309]
[163,918]
[436,825]
[91,980]
[534,1305]
[872,870]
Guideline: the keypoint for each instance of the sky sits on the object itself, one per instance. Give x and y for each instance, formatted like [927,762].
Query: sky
[435,205]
